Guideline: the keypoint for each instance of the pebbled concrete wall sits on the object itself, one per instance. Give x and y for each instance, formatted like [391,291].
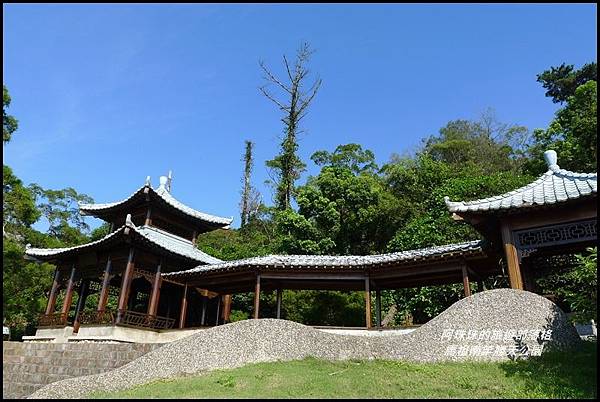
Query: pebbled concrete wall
[28,366]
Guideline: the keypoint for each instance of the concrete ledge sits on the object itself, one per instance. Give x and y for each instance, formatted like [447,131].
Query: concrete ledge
[121,334]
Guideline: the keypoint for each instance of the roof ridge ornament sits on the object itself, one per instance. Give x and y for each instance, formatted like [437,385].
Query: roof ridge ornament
[163,183]
[147,183]
[551,159]
[128,221]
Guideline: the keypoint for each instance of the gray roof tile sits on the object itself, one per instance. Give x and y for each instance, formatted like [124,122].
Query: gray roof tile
[556,185]
[343,261]
[155,236]
[164,194]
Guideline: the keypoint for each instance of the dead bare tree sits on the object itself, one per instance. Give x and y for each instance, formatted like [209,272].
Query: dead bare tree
[287,166]
[250,201]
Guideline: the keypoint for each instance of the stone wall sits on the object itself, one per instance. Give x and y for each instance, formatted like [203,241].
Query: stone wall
[28,366]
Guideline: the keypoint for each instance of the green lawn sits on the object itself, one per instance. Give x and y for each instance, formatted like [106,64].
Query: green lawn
[555,375]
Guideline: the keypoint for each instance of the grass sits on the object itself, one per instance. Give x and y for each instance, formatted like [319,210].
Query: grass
[554,375]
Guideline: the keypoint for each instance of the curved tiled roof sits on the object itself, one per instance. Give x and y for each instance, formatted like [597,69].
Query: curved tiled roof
[344,261]
[156,237]
[163,193]
[555,186]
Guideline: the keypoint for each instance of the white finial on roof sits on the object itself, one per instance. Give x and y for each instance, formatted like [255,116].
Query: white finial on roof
[148,181]
[551,159]
[163,182]
[128,221]
[169,180]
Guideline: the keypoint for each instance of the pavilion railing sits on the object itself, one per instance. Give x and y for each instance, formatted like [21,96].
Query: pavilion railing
[52,320]
[105,317]
[142,320]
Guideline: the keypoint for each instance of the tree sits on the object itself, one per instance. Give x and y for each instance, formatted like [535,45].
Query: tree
[561,82]
[345,209]
[9,123]
[350,156]
[572,134]
[250,201]
[485,143]
[61,210]
[287,166]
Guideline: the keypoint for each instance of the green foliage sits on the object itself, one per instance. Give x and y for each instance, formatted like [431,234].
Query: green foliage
[350,156]
[577,285]
[60,209]
[18,204]
[9,123]
[100,231]
[573,133]
[24,288]
[561,82]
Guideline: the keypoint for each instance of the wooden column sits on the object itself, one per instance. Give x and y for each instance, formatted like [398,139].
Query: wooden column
[204,301]
[184,304]
[257,296]
[465,278]
[53,292]
[103,299]
[125,285]
[155,295]
[69,293]
[226,307]
[512,258]
[83,293]
[219,299]
[279,303]
[378,307]
[367,304]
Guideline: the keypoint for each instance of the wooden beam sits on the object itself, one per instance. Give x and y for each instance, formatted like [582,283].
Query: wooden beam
[126,285]
[69,293]
[367,304]
[279,303]
[257,296]
[155,295]
[53,292]
[465,277]
[512,258]
[184,305]
[378,307]
[103,299]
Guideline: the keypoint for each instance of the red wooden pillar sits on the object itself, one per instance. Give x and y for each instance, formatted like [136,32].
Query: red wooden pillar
[103,299]
[68,295]
[367,304]
[125,286]
[154,297]
[257,296]
[53,292]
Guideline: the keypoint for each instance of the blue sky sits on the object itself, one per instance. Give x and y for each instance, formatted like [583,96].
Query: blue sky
[106,95]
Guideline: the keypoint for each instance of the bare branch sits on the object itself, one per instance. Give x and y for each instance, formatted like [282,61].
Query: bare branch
[268,95]
[272,78]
